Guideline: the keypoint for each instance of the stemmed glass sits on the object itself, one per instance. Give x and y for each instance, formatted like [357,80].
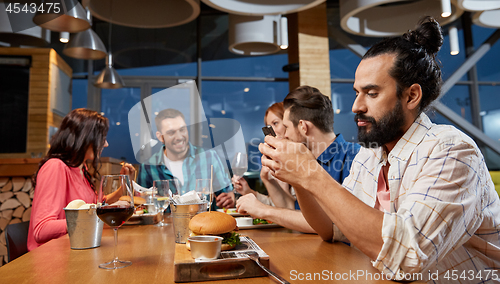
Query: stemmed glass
[203,190]
[115,206]
[161,195]
[239,164]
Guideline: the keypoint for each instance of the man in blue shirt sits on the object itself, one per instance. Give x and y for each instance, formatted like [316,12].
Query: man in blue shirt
[308,119]
[178,158]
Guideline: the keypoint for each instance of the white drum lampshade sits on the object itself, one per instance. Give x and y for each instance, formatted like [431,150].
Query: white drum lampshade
[261,7]
[487,19]
[478,5]
[145,14]
[257,35]
[382,18]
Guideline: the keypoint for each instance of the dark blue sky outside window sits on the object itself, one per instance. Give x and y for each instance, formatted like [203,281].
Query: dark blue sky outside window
[116,104]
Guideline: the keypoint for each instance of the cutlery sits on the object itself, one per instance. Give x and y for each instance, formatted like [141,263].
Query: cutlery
[255,257]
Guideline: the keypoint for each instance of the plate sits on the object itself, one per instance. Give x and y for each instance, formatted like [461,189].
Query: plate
[143,219]
[232,212]
[260,226]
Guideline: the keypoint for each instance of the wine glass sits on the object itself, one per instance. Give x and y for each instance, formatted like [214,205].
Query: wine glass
[161,195]
[239,164]
[115,206]
[203,190]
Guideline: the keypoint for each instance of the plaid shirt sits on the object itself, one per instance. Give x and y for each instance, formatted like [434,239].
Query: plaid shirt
[195,166]
[445,213]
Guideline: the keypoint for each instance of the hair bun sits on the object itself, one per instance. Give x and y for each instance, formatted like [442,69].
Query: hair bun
[428,35]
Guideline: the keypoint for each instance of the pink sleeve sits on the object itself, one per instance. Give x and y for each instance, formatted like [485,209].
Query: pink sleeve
[47,216]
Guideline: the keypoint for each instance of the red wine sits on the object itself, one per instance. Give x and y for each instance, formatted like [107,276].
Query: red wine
[113,215]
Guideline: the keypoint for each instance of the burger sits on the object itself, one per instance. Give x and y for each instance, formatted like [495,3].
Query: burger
[215,224]
[138,204]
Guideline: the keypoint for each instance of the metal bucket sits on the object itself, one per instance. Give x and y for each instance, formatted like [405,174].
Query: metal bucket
[84,228]
[181,215]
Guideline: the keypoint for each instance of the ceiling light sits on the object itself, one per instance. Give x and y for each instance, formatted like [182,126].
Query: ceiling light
[259,7]
[454,44]
[64,37]
[284,33]
[487,19]
[478,5]
[445,8]
[86,44]
[68,16]
[34,36]
[109,77]
[153,14]
[257,35]
[369,17]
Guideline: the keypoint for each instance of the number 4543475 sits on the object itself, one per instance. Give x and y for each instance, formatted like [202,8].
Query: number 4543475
[454,275]
[32,8]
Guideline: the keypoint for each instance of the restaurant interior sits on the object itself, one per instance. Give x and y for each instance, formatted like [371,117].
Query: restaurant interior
[228,61]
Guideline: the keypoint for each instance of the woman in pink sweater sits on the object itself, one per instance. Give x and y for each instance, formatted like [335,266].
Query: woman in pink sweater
[62,175]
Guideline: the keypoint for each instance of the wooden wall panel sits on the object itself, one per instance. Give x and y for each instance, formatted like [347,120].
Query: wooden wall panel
[40,116]
[308,46]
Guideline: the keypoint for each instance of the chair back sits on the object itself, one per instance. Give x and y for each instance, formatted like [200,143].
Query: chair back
[17,239]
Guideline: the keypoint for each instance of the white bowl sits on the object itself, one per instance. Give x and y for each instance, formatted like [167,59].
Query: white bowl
[244,221]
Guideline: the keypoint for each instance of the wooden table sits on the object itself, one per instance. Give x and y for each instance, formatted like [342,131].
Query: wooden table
[293,255]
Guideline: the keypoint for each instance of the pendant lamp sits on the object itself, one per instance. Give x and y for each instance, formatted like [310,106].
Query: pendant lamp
[262,7]
[257,35]
[69,16]
[376,18]
[109,77]
[478,5]
[487,19]
[146,14]
[16,31]
[86,44]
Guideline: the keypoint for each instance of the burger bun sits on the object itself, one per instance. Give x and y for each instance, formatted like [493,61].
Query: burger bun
[212,223]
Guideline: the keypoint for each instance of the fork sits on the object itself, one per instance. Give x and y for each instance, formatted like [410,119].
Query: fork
[255,257]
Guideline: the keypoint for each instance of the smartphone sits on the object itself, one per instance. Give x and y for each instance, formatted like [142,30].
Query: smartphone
[268,130]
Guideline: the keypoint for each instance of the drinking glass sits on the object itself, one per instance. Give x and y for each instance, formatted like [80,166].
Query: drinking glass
[203,190]
[239,164]
[115,206]
[161,195]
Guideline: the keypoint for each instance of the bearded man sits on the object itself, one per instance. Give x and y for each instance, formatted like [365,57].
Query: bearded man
[419,198]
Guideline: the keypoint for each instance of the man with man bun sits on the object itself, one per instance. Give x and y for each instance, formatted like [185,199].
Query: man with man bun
[419,197]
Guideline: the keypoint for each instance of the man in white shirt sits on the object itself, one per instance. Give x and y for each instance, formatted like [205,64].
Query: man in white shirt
[419,198]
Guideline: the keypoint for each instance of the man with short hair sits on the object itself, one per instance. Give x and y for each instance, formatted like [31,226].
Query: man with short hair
[180,159]
[419,198]
[308,119]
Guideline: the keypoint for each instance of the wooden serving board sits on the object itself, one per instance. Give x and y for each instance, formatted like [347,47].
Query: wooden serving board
[187,269]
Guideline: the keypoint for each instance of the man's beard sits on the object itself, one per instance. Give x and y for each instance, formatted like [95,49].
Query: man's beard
[387,129]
